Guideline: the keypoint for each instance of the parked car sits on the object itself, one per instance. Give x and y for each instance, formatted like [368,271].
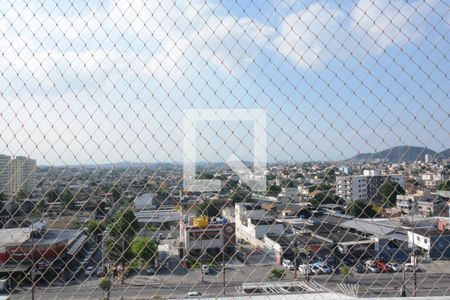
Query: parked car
[150,271]
[409,267]
[193,294]
[89,271]
[205,269]
[382,266]
[316,270]
[358,268]
[373,268]
[324,268]
[100,273]
[287,264]
[318,259]
[305,269]
[395,266]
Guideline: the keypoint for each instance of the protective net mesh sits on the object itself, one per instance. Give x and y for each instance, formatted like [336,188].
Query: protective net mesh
[159,149]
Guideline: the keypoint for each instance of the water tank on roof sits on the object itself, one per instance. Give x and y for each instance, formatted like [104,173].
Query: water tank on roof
[201,221]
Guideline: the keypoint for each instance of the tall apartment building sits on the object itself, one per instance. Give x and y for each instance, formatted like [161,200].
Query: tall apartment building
[365,186]
[17,174]
[4,173]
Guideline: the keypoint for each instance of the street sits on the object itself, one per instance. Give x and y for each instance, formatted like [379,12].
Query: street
[181,282]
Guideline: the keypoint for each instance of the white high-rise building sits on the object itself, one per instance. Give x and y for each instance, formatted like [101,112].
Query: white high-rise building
[22,174]
[364,186]
[4,173]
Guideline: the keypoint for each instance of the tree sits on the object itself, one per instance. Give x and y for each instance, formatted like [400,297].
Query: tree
[145,248]
[241,194]
[121,234]
[95,227]
[105,284]
[389,191]
[362,209]
[67,199]
[206,176]
[101,208]
[273,190]
[346,272]
[207,208]
[320,187]
[324,198]
[20,195]
[277,273]
[444,186]
[116,195]
[52,196]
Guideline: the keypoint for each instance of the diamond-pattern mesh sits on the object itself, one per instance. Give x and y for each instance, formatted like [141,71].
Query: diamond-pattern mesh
[324,125]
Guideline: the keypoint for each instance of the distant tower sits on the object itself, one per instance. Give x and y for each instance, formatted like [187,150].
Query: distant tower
[427,158]
[22,172]
[4,173]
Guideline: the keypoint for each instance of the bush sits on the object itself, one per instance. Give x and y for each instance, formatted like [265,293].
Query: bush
[277,273]
[104,284]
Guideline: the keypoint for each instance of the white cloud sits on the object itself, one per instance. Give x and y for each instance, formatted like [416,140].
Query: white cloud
[377,24]
[312,37]
[309,37]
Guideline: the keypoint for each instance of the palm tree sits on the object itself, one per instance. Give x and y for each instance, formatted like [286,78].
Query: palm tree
[105,285]
[346,272]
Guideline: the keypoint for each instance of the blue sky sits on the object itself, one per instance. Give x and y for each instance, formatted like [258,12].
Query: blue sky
[108,81]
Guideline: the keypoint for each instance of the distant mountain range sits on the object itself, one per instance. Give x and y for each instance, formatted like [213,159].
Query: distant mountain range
[402,154]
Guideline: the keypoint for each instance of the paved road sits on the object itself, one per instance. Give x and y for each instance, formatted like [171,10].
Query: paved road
[147,287]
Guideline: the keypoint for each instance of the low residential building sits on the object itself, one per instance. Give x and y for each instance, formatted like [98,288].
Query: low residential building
[161,218]
[206,240]
[253,222]
[434,242]
[285,246]
[52,250]
[432,207]
[423,202]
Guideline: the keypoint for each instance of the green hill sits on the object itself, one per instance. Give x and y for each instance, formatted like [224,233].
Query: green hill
[402,153]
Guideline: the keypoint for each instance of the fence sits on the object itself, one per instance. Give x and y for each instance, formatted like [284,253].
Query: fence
[171,149]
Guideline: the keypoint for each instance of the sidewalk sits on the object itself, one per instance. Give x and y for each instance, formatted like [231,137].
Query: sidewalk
[439,266]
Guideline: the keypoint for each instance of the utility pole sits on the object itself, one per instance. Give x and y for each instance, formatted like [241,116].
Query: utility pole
[295,259]
[223,269]
[33,267]
[403,288]
[414,258]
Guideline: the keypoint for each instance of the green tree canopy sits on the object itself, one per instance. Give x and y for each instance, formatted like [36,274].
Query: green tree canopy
[325,198]
[105,284]
[389,191]
[346,272]
[207,176]
[207,208]
[95,227]
[121,233]
[116,195]
[241,194]
[444,186]
[321,187]
[362,209]
[273,190]
[67,199]
[20,195]
[52,196]
[277,273]
[145,249]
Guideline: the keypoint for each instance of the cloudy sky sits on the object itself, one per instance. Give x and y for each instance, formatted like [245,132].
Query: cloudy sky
[95,82]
